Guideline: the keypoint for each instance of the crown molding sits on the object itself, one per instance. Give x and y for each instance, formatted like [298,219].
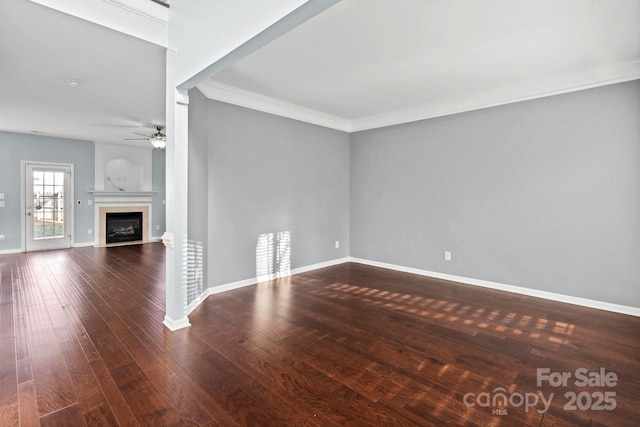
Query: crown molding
[148,9]
[509,94]
[254,101]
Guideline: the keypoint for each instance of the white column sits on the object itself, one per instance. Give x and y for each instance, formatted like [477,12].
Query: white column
[177,172]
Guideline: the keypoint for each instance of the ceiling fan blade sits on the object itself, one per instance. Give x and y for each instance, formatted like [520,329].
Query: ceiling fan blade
[135,139]
[141,134]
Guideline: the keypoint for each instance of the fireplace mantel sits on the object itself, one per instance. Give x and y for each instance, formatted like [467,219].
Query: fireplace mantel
[122,193]
[123,196]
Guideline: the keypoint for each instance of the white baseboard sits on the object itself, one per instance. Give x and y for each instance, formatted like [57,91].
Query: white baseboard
[83,245]
[319,265]
[219,289]
[11,251]
[255,280]
[174,325]
[74,245]
[600,305]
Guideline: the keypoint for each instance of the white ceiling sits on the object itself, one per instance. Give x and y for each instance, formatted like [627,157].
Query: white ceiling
[361,64]
[122,78]
[369,63]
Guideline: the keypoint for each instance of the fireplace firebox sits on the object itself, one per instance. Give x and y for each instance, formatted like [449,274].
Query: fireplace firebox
[123,227]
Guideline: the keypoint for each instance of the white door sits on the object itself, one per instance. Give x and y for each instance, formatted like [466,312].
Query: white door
[48,206]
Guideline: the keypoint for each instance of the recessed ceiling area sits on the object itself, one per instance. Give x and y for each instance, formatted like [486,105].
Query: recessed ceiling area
[370,63]
[66,77]
[361,64]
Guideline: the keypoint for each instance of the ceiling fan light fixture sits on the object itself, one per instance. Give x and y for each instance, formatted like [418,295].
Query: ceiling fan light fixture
[158,141]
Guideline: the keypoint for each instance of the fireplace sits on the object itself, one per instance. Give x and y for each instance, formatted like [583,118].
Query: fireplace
[123,227]
[107,204]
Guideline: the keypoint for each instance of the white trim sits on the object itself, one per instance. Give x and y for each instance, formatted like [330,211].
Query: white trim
[70,217]
[255,280]
[122,193]
[122,197]
[147,9]
[507,95]
[148,22]
[11,251]
[219,289]
[74,245]
[23,203]
[82,245]
[174,325]
[121,203]
[319,265]
[231,286]
[243,98]
[600,305]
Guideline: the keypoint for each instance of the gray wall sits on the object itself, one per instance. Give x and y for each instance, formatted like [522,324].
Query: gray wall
[543,194]
[14,148]
[268,174]
[198,219]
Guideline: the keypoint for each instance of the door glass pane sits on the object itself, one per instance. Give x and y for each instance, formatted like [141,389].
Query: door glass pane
[48,205]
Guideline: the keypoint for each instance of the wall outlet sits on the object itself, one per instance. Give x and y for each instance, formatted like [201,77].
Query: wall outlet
[1,196]
[337,244]
[89,231]
[1,203]
[157,227]
[447,256]
[1,236]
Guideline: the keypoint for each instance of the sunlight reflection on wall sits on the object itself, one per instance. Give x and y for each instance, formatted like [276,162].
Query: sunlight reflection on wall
[193,270]
[273,256]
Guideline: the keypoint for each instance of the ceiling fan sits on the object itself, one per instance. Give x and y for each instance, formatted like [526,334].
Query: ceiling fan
[158,139]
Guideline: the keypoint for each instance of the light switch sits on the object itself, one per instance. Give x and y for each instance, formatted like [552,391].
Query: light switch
[1,196]
[2,204]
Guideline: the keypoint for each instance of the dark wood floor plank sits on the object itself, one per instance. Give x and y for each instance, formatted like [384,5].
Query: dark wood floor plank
[54,389]
[86,386]
[278,378]
[83,342]
[69,416]
[10,415]
[28,404]
[150,406]
[8,372]
[189,407]
[123,413]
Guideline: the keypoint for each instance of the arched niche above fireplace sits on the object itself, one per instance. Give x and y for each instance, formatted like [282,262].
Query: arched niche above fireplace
[123,175]
[130,168]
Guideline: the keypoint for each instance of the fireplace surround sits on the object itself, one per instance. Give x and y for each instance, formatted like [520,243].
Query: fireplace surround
[101,228]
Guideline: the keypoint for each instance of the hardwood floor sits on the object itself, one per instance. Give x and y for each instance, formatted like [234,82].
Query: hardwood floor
[82,343]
